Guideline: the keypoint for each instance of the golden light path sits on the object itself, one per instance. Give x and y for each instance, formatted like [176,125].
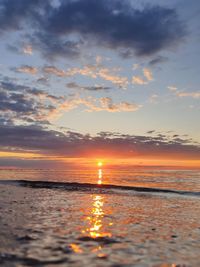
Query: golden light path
[99,176]
[95,221]
[100,173]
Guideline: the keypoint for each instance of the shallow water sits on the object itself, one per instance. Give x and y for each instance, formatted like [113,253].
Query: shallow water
[58,226]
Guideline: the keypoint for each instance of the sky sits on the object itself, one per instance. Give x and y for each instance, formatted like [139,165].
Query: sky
[83,80]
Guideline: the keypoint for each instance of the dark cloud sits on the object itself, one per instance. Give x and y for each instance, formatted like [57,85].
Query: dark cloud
[25,104]
[158,60]
[15,102]
[72,144]
[73,85]
[7,85]
[42,80]
[115,24]
[53,46]
[5,121]
[150,132]
[11,86]
[13,13]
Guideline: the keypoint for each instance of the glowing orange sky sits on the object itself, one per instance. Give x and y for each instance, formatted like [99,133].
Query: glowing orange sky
[100,162]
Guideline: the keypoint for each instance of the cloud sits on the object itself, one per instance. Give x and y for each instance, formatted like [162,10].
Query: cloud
[55,71]
[27,69]
[22,104]
[151,132]
[93,71]
[127,28]
[73,144]
[73,85]
[112,24]
[188,94]
[153,98]
[93,105]
[138,80]
[120,81]
[157,60]
[108,105]
[13,13]
[148,74]
[181,94]
[148,77]
[172,88]
[42,80]
[18,88]
[88,70]
[27,49]
[53,47]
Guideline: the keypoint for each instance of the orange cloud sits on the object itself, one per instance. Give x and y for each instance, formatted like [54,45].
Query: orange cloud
[93,104]
[138,80]
[148,74]
[148,77]
[27,69]
[188,94]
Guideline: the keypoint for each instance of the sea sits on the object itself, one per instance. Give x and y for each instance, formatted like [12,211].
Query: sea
[100,216]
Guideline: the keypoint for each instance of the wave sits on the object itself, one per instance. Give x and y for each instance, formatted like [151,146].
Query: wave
[103,188]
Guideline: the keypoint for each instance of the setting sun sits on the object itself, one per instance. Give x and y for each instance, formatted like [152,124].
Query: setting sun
[99,163]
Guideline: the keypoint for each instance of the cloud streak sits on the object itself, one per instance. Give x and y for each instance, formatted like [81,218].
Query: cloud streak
[138,80]
[73,85]
[182,94]
[188,94]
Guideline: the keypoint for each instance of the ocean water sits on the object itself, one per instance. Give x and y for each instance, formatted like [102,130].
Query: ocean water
[100,217]
[186,180]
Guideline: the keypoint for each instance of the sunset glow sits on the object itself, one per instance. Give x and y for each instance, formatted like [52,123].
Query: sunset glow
[71,93]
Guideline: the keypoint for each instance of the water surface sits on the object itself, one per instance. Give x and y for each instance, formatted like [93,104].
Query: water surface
[68,226]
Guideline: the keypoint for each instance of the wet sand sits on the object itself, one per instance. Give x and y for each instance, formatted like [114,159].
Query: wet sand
[95,227]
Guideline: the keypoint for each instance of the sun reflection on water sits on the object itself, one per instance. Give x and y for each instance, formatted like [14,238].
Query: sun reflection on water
[95,220]
[100,176]
[100,173]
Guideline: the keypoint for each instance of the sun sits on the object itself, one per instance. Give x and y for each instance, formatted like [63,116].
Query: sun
[99,163]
